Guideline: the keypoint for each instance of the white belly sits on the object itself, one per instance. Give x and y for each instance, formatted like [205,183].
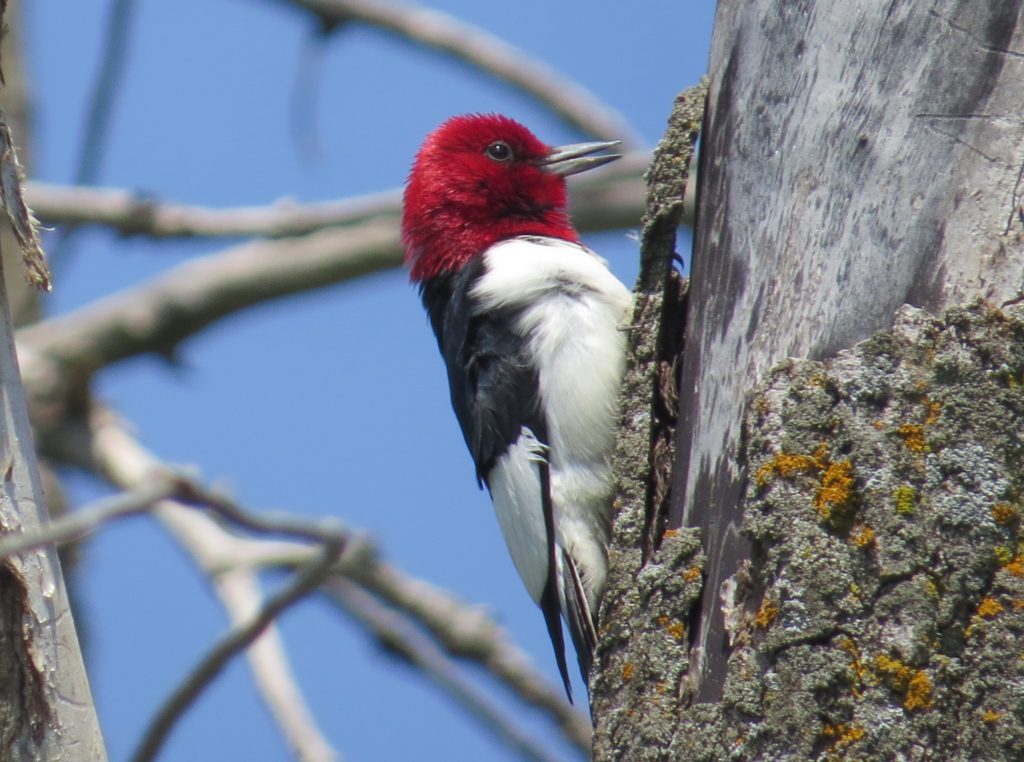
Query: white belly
[573,311]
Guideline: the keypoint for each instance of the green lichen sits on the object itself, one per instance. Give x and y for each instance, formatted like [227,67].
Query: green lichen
[905,497]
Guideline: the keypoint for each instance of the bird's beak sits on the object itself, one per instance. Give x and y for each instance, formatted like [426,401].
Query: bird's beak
[568,160]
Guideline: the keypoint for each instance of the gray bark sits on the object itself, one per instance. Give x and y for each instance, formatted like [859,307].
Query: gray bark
[857,156]
[46,708]
[849,490]
[651,584]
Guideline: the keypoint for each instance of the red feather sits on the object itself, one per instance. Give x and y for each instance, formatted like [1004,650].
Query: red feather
[459,200]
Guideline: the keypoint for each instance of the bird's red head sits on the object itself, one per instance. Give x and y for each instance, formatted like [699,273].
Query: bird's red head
[482,178]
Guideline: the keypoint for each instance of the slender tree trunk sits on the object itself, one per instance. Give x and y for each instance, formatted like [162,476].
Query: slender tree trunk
[46,708]
[848,479]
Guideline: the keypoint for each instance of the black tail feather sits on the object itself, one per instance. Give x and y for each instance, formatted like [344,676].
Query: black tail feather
[578,616]
[550,603]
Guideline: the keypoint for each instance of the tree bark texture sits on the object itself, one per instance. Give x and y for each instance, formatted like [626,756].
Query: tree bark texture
[856,157]
[848,475]
[46,708]
[22,298]
[652,583]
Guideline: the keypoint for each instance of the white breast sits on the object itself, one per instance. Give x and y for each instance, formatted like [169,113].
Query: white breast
[573,313]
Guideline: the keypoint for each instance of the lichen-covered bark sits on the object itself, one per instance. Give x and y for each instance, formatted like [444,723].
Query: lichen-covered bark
[856,156]
[885,508]
[653,578]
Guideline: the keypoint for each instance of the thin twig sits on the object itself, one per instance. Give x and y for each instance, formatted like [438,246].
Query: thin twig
[101,106]
[75,526]
[241,594]
[157,316]
[106,447]
[304,582]
[467,632]
[319,531]
[226,559]
[568,99]
[398,636]
[104,89]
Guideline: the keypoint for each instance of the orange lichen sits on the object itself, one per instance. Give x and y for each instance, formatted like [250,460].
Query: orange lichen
[989,607]
[933,408]
[669,533]
[1003,513]
[835,492]
[865,537]
[784,465]
[913,437]
[675,628]
[857,665]
[893,668]
[836,488]
[915,685]
[767,614]
[627,671]
[843,734]
[919,692]
[692,574]
[991,716]
[1018,604]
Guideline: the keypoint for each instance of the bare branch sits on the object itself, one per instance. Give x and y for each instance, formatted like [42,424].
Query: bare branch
[617,190]
[462,630]
[568,99]
[157,316]
[85,521]
[468,632]
[104,445]
[241,594]
[105,87]
[132,213]
[398,636]
[304,582]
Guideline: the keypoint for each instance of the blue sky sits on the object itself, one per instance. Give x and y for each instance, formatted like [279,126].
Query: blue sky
[330,403]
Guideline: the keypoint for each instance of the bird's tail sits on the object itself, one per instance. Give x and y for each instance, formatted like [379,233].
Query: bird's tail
[578,615]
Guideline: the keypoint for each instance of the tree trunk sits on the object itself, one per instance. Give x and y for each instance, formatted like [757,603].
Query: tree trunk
[46,708]
[854,513]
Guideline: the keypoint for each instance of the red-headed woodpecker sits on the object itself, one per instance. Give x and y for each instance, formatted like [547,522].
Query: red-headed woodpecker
[531,327]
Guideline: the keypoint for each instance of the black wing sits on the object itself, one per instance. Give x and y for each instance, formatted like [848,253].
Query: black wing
[493,385]
[494,392]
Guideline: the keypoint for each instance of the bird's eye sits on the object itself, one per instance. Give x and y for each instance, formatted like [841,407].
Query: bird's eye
[499,150]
